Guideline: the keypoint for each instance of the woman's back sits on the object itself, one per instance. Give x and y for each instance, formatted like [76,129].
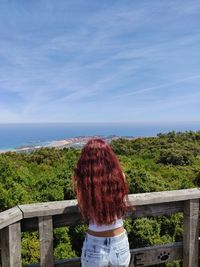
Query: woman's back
[99,183]
[102,192]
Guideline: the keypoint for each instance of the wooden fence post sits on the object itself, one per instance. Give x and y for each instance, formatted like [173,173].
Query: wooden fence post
[191,233]
[11,245]
[46,241]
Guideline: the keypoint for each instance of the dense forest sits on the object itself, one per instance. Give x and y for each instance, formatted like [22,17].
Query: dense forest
[166,162]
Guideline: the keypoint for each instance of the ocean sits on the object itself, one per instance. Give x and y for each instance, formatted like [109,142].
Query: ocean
[14,135]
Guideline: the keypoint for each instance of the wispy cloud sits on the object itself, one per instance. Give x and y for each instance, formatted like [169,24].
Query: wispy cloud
[160,86]
[61,61]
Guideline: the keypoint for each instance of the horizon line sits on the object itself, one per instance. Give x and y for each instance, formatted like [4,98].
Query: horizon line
[103,122]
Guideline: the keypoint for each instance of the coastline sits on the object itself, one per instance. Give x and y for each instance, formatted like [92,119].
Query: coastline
[76,142]
[31,136]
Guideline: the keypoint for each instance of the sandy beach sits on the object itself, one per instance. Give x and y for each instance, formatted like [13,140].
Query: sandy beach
[58,143]
[74,142]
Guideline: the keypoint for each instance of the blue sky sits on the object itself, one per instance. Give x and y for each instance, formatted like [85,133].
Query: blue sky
[99,61]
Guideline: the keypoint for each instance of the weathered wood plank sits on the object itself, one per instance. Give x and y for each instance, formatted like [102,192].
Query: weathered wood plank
[164,196]
[70,206]
[10,216]
[49,208]
[73,262]
[156,209]
[11,245]
[191,233]
[61,213]
[31,224]
[156,254]
[46,241]
[63,220]
[139,257]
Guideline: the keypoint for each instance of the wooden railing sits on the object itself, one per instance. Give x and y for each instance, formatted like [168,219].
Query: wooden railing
[48,215]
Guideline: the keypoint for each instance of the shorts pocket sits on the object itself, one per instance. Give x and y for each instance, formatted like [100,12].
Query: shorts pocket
[92,259]
[123,254]
[92,253]
[93,256]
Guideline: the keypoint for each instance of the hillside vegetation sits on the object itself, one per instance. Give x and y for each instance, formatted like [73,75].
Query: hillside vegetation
[167,162]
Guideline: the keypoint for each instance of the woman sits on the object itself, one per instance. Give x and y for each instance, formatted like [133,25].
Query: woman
[102,193]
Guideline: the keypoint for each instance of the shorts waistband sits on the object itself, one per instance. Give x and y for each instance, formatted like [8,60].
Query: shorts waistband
[106,240]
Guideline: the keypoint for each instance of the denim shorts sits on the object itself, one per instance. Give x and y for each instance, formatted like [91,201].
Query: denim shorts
[106,251]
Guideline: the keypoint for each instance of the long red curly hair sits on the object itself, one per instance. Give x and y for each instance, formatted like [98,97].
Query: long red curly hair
[99,183]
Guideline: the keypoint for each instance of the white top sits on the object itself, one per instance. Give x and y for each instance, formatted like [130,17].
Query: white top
[104,227]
